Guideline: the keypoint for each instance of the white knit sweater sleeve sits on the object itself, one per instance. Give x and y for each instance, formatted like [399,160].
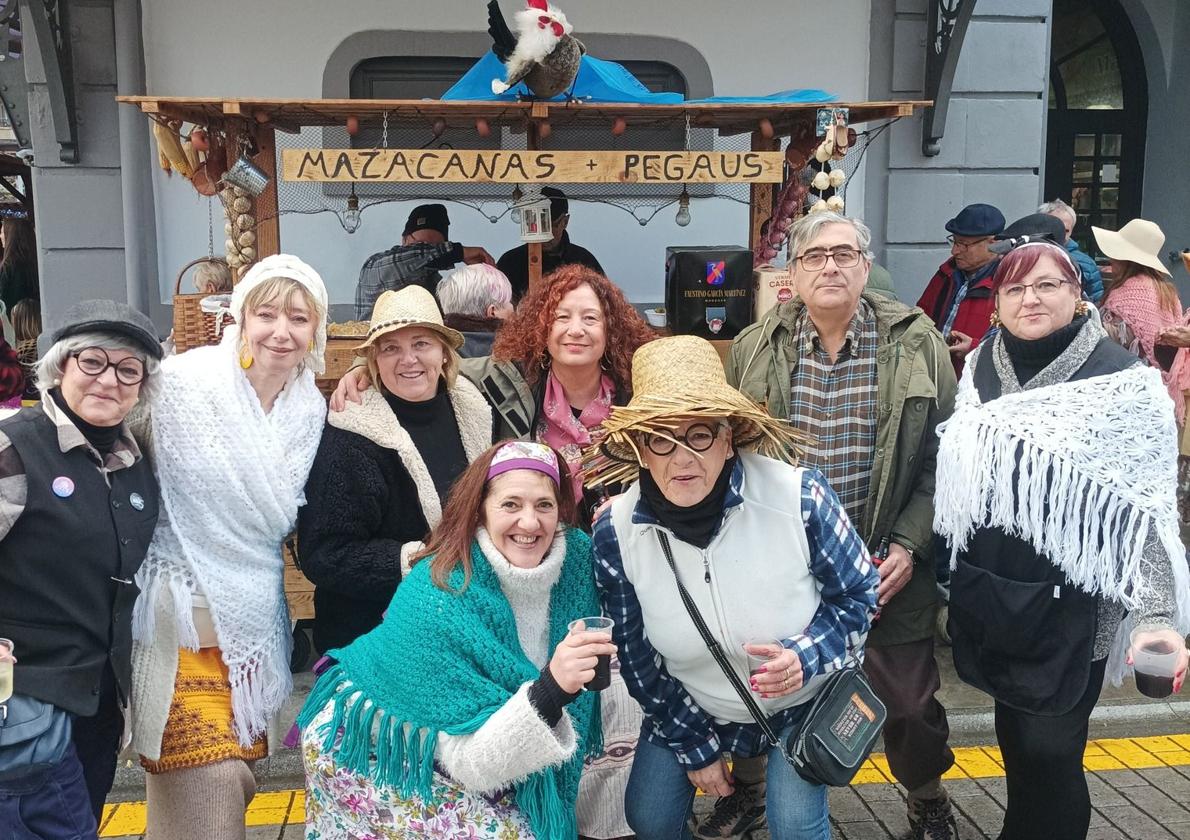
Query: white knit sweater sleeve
[514,743]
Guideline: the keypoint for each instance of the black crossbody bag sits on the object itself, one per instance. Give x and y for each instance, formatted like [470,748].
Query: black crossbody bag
[841,726]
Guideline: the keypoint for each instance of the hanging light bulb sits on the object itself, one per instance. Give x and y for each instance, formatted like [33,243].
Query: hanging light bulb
[517,195]
[352,219]
[683,215]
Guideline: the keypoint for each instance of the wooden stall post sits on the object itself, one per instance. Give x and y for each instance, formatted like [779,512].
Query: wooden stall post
[761,199]
[268,213]
[532,143]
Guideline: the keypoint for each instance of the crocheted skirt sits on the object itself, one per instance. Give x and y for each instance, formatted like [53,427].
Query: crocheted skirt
[198,731]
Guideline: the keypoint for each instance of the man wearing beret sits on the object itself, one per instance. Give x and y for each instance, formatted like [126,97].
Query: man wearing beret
[959,296]
[425,250]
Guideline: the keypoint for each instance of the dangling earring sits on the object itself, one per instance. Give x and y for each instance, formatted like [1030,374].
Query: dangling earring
[603,364]
[1081,308]
[310,349]
[246,359]
[545,361]
[995,319]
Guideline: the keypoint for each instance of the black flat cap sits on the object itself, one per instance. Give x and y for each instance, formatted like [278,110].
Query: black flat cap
[108,316]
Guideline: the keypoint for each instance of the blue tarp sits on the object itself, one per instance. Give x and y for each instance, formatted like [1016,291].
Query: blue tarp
[602,81]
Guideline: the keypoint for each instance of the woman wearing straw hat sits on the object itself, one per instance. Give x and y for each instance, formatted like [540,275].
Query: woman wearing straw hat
[234,431]
[1141,301]
[385,465]
[1055,491]
[768,557]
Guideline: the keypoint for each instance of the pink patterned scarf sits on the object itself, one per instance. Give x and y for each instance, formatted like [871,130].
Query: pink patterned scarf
[568,434]
[1135,303]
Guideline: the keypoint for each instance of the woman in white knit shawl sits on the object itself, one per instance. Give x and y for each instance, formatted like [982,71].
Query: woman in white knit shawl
[234,432]
[1055,489]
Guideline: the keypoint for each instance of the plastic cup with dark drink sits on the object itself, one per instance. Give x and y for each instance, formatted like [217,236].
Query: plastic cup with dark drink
[760,652]
[603,665]
[1155,660]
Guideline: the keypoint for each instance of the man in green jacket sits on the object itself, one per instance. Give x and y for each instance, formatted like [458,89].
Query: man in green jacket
[870,378]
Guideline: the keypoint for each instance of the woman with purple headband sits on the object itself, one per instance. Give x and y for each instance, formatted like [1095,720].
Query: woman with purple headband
[466,712]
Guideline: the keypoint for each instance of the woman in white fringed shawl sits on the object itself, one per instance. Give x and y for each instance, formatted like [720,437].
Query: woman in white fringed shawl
[234,432]
[1055,489]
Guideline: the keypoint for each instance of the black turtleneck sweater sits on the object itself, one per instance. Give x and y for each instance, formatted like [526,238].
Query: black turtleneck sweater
[1031,357]
[103,438]
[435,433]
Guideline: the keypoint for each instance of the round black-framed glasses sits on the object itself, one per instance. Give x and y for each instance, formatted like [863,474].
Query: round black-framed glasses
[93,361]
[699,438]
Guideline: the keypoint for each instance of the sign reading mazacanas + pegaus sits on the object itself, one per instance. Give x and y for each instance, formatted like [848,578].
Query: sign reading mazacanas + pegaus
[500,166]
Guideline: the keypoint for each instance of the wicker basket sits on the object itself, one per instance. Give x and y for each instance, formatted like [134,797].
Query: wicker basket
[193,327]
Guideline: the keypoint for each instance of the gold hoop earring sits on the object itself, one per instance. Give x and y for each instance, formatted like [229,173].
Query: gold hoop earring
[246,359]
[995,319]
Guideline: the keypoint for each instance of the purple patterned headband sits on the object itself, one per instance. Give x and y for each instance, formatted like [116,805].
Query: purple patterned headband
[525,455]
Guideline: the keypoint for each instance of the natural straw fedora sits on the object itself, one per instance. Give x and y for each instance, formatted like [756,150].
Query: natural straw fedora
[1139,241]
[411,306]
[674,379]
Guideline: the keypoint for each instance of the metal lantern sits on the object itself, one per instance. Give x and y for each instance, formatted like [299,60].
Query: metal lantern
[536,224]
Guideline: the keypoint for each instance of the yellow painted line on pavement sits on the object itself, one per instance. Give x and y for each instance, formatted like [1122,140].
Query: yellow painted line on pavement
[288,807]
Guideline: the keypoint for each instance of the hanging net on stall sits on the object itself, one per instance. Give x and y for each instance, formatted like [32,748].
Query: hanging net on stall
[494,201]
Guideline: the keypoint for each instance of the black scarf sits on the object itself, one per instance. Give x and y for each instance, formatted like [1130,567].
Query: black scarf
[103,438]
[699,522]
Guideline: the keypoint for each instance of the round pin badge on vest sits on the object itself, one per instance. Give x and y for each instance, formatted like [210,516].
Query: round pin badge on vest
[63,487]
[137,501]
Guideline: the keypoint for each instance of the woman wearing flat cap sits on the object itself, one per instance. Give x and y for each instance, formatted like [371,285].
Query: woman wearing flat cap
[766,552]
[234,431]
[78,504]
[385,465]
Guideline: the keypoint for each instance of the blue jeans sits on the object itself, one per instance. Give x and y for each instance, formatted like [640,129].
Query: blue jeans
[50,804]
[660,798]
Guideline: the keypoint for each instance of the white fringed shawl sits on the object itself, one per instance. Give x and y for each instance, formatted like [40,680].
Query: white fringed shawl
[232,478]
[1096,468]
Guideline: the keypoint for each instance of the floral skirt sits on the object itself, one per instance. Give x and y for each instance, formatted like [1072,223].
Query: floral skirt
[344,805]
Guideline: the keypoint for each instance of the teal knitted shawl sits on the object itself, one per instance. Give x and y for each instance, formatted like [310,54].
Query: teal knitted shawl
[444,662]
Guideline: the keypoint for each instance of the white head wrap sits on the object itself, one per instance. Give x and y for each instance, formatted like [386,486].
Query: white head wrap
[284,265]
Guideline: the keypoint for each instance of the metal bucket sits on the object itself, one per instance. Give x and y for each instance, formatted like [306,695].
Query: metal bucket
[247,176]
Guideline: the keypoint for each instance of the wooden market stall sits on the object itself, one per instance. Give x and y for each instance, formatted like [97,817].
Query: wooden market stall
[249,127]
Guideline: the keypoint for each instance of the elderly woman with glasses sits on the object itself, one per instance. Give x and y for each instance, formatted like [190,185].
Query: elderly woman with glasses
[767,555]
[1055,490]
[78,504]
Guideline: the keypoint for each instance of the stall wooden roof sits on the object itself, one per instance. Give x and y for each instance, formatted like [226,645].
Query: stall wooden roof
[292,114]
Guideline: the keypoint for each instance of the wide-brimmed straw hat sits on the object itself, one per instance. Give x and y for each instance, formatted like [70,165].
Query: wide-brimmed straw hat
[1139,241]
[411,306]
[675,379]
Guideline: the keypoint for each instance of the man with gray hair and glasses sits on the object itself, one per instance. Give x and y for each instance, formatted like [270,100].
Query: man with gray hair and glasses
[1092,278]
[870,378]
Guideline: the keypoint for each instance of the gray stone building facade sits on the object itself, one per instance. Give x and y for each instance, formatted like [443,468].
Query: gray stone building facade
[103,231]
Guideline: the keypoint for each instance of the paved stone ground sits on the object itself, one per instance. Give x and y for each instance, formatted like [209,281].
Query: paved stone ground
[1147,804]
[1151,803]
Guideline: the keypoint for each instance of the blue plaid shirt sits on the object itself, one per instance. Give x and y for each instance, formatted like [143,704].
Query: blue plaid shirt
[401,266]
[839,562]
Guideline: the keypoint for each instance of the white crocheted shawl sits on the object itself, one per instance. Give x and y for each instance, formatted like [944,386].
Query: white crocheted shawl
[232,479]
[1081,470]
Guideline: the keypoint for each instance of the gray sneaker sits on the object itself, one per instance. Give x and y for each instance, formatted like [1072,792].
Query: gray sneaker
[932,819]
[736,815]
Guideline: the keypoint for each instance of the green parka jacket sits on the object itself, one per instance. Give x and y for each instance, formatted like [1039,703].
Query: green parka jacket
[916,390]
